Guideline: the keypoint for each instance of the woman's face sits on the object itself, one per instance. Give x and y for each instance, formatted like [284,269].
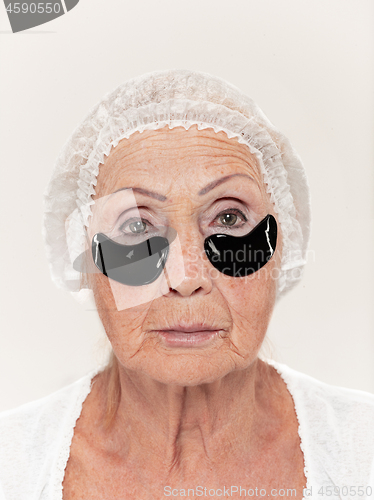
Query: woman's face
[205,183]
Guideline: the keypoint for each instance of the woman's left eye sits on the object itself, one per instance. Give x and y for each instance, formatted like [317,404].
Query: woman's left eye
[229,217]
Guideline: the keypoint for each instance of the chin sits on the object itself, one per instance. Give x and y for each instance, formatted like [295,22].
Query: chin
[189,374]
[190,369]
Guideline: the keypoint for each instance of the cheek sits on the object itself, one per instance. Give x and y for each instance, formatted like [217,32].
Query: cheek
[122,327]
[135,298]
[251,301]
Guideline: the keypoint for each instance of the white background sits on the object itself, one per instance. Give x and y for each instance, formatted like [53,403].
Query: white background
[309,66]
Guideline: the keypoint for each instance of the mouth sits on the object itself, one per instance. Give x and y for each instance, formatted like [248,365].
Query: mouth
[196,335]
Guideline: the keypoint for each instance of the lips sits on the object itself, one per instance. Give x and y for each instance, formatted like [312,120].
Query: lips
[192,335]
[192,328]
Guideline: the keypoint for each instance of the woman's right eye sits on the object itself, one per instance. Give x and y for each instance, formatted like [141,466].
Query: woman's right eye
[135,227]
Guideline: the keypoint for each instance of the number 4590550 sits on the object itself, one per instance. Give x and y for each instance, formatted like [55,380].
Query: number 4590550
[40,8]
[345,491]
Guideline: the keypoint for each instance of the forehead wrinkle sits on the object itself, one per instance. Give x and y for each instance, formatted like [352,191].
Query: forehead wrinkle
[156,139]
[184,152]
[199,145]
[150,171]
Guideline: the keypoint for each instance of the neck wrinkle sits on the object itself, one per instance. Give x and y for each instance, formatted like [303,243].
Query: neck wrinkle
[183,429]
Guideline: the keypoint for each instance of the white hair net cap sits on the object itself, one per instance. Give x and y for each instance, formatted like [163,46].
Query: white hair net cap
[176,98]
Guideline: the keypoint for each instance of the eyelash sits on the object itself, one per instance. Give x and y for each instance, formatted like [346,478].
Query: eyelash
[235,211]
[129,221]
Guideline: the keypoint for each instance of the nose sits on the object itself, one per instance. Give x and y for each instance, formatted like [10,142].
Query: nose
[195,277]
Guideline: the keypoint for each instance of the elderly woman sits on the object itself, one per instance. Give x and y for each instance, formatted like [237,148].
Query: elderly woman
[184,214]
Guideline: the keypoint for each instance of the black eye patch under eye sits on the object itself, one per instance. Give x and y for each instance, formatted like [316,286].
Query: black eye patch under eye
[143,263]
[132,265]
[240,256]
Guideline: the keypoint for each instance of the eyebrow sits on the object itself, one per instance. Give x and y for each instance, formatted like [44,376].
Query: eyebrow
[143,191]
[205,190]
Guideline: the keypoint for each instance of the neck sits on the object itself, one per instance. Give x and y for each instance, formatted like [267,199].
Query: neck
[185,429]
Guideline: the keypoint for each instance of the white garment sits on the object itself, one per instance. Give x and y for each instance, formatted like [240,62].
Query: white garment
[336,427]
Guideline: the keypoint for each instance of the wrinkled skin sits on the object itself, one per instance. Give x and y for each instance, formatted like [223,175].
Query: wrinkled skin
[203,415]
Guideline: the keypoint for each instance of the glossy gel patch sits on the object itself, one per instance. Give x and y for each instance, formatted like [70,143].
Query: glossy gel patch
[132,265]
[240,256]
